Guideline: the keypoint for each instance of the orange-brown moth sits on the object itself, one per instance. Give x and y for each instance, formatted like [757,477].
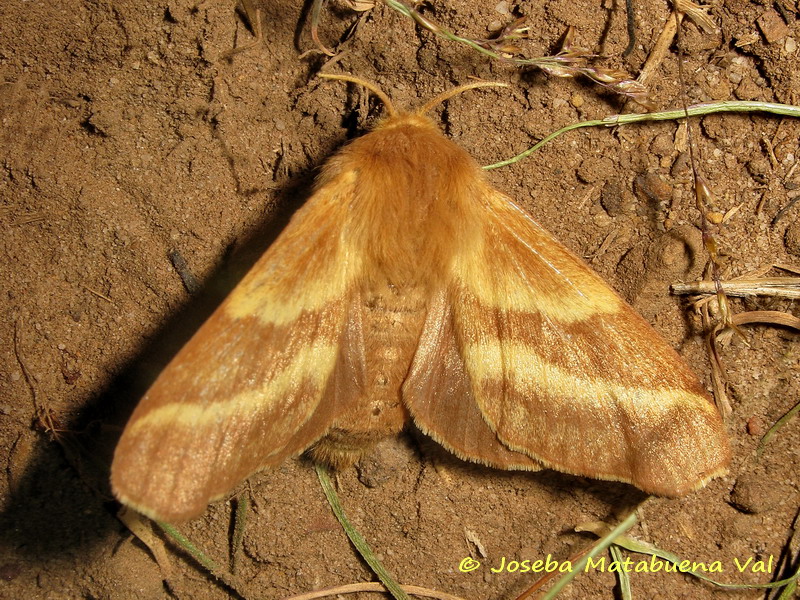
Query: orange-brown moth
[407,288]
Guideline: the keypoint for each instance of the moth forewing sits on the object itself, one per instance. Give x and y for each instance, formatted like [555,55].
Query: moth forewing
[260,381]
[407,287]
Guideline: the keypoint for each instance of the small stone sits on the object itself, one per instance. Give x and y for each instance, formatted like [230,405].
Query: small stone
[759,169]
[755,493]
[616,199]
[791,238]
[662,145]
[502,8]
[772,26]
[383,463]
[735,76]
[719,90]
[655,188]
[755,426]
[576,100]
[494,26]
[681,165]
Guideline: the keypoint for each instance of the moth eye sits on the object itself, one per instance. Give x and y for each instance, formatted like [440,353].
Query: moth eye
[376,411]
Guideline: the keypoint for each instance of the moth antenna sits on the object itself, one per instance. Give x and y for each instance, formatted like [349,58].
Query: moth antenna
[390,110]
[430,104]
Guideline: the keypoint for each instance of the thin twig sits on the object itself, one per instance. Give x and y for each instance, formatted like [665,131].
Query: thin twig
[98,294]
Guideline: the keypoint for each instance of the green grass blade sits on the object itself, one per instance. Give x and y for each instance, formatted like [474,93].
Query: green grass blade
[356,538]
[735,106]
[622,575]
[580,565]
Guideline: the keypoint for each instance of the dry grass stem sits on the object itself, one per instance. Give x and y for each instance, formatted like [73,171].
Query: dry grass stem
[570,61]
[780,287]
[697,14]
[765,317]
[718,379]
[784,267]
[141,528]
[725,330]
[253,15]
[660,48]
[354,588]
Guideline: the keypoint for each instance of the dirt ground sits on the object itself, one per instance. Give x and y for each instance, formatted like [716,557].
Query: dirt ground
[128,137]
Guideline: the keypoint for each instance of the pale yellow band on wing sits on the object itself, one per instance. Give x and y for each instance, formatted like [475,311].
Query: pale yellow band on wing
[309,266]
[565,291]
[312,365]
[531,376]
[259,301]
[281,304]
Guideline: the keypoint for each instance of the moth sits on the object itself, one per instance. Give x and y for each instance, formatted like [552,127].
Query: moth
[408,289]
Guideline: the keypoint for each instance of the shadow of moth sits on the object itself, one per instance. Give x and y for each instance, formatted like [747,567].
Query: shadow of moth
[407,288]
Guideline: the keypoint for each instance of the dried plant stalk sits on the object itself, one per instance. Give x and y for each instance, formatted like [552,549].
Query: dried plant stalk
[780,287]
[571,60]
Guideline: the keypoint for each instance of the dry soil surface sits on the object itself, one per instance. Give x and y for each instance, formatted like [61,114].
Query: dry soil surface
[130,136]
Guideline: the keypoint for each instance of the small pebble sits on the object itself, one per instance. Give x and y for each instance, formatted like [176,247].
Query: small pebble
[502,8]
[654,187]
[772,26]
[759,169]
[755,426]
[791,239]
[494,26]
[755,493]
